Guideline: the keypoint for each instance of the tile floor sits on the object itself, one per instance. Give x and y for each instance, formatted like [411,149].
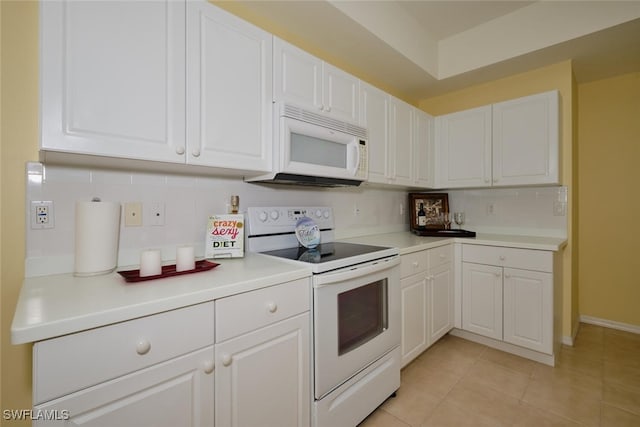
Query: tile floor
[460,383]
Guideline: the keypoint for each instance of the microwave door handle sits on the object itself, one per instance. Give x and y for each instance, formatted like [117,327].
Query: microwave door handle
[355,158]
[355,272]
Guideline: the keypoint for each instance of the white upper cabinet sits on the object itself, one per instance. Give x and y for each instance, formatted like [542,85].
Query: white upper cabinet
[401,142]
[374,116]
[229,90]
[113,78]
[506,144]
[167,81]
[423,148]
[308,82]
[525,140]
[464,148]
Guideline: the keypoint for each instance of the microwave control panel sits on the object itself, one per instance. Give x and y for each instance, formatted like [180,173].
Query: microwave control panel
[363,163]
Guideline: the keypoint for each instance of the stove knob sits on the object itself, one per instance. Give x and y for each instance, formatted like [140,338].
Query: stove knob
[326,214]
[263,216]
[274,215]
[318,213]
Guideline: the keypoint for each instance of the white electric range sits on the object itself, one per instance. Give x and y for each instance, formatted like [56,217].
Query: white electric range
[356,312]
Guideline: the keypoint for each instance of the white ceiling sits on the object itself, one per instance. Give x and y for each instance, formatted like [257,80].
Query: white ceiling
[423,48]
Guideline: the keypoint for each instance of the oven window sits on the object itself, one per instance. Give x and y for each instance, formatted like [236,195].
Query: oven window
[362,315]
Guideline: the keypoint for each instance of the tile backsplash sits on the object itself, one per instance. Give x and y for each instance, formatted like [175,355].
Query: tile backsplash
[189,200]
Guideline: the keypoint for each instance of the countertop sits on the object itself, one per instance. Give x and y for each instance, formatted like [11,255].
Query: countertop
[408,242]
[51,306]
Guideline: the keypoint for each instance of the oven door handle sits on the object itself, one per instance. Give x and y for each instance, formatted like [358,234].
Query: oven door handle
[356,271]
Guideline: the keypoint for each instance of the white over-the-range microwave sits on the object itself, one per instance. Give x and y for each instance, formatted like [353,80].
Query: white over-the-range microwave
[314,149]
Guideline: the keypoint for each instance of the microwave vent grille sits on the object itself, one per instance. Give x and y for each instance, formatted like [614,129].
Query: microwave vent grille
[322,120]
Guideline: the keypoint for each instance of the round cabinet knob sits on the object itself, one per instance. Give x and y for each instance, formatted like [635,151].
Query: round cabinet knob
[501,257]
[143,346]
[506,276]
[208,366]
[274,215]
[226,359]
[327,109]
[441,256]
[415,264]
[486,180]
[320,107]
[195,153]
[497,273]
[263,216]
[318,213]
[272,307]
[180,150]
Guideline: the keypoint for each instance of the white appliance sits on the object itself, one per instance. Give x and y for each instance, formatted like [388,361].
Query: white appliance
[313,149]
[356,312]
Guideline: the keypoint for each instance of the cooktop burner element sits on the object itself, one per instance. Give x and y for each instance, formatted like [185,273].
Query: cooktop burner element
[325,252]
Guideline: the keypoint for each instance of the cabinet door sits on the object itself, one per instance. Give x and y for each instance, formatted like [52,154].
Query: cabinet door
[440,298]
[423,132]
[374,111]
[525,140]
[482,299]
[178,392]
[229,90]
[415,335]
[528,309]
[113,78]
[401,158]
[263,377]
[297,76]
[463,144]
[341,94]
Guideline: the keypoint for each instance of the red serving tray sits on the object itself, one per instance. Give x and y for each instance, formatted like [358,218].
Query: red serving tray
[167,271]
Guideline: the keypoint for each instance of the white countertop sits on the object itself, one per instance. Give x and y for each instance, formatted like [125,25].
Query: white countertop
[51,306]
[408,242]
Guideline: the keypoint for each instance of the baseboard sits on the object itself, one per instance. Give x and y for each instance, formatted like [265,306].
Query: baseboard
[572,339]
[635,329]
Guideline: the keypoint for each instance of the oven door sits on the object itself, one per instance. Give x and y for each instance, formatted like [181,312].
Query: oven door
[356,320]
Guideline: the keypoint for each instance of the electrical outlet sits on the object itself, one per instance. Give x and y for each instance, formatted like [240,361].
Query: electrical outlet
[42,215]
[157,213]
[491,209]
[133,214]
[356,210]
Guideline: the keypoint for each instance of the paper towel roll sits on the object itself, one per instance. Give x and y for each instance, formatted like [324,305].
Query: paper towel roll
[96,239]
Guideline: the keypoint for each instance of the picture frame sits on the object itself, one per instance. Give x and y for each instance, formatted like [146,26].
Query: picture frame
[434,205]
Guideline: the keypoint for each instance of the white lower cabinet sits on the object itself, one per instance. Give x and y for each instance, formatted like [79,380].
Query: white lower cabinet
[507,295]
[263,357]
[143,372]
[178,392]
[427,299]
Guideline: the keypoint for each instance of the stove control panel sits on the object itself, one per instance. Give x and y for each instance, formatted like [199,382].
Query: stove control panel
[269,220]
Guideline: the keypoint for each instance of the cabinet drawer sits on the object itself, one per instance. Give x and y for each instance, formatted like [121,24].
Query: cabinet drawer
[440,256]
[526,259]
[72,362]
[246,312]
[413,263]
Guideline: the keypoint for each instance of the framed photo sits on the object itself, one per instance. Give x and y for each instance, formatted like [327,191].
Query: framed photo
[427,209]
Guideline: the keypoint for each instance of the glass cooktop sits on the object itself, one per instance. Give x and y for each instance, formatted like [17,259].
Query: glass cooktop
[325,252]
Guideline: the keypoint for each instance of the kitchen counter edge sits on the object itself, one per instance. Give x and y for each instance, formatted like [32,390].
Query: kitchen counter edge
[408,242]
[56,305]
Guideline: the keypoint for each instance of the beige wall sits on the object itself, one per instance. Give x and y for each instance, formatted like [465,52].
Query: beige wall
[609,156]
[19,143]
[558,76]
